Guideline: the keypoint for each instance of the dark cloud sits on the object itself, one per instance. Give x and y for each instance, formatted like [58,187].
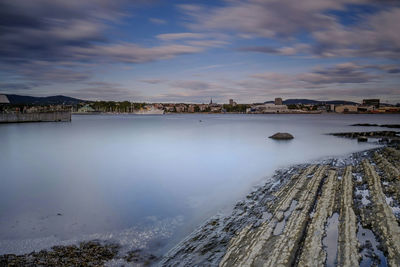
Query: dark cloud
[55,38]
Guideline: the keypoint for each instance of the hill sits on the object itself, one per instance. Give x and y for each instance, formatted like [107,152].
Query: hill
[48,100]
[314,102]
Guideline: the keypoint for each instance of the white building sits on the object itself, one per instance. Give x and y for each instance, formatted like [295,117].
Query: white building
[4,99]
[269,108]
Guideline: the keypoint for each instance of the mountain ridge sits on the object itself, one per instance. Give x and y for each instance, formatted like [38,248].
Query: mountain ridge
[45,100]
[314,102]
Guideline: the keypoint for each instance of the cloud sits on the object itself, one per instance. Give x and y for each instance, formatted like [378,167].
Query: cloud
[178,36]
[208,43]
[100,90]
[340,73]
[131,53]
[153,81]
[286,50]
[11,87]
[377,36]
[372,34]
[262,18]
[56,40]
[157,21]
[191,85]
[344,73]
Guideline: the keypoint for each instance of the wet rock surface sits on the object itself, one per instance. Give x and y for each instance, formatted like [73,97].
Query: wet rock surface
[360,191]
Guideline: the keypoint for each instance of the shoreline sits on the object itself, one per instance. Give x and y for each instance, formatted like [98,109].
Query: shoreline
[212,241]
[264,219]
[228,113]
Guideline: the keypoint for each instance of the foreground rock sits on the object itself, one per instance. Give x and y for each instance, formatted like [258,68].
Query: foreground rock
[290,224]
[282,136]
[90,253]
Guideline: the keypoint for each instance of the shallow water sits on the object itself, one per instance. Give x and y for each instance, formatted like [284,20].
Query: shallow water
[154,178]
[281,225]
[330,241]
[367,236]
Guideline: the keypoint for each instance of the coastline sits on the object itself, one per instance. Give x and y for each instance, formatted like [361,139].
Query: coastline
[254,221]
[230,113]
[214,240]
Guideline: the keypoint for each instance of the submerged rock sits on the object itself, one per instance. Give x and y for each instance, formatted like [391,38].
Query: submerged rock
[282,136]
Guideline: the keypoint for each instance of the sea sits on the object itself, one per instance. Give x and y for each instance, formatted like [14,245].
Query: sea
[147,181]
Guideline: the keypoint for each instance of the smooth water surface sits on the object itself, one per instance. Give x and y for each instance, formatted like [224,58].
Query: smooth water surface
[147,180]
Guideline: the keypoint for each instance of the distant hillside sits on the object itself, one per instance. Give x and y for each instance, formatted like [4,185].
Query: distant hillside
[313,102]
[48,100]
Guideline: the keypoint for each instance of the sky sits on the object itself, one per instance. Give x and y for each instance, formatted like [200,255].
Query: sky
[191,51]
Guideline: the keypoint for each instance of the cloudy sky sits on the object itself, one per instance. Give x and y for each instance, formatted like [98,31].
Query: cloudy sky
[190,51]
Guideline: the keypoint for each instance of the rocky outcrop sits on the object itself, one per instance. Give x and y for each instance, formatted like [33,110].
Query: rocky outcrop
[313,253]
[348,245]
[377,125]
[282,136]
[318,217]
[384,220]
[377,134]
[260,246]
[383,137]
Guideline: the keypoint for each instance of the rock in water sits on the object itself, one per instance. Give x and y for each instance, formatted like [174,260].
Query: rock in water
[282,136]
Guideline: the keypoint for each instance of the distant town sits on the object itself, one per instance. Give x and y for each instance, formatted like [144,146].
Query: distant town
[25,105]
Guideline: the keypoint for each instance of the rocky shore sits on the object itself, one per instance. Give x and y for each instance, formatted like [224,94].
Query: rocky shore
[91,253]
[335,212]
[340,212]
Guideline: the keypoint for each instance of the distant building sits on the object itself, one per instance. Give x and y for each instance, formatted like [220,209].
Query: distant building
[346,109]
[4,99]
[215,108]
[371,102]
[268,108]
[330,107]
[365,108]
[278,101]
[203,107]
[180,108]
[85,108]
[191,108]
[232,103]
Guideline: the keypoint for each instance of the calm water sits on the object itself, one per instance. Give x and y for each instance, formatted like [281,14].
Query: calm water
[147,180]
